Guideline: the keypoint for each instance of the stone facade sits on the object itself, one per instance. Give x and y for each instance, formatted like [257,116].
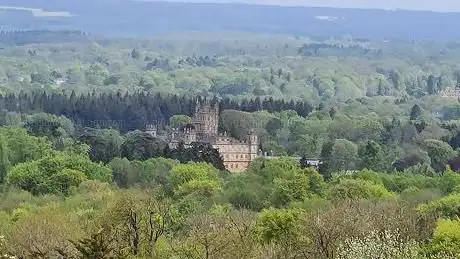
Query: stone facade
[236,154]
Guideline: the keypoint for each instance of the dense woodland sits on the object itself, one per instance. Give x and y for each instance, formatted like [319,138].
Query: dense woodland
[80,177]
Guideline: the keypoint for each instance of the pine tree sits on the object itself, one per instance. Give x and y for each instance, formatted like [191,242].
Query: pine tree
[4,162]
[415,112]
[432,86]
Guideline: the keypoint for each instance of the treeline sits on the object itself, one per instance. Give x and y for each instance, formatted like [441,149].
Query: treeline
[128,112]
[316,49]
[41,36]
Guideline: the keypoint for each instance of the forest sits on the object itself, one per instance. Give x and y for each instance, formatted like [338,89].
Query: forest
[80,176]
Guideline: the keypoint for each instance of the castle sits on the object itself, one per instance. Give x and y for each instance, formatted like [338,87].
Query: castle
[236,154]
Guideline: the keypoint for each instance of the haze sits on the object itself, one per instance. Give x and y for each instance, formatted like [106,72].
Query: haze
[428,5]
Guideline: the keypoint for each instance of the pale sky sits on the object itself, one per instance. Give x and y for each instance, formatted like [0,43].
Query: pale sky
[430,5]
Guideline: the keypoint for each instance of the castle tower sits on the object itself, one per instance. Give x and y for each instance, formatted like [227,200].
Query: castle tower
[206,119]
[253,142]
[151,129]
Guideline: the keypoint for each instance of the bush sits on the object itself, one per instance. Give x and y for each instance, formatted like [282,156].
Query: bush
[358,189]
[448,207]
[446,239]
[385,246]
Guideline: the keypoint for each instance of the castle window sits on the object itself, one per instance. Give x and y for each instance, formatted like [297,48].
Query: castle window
[236,166]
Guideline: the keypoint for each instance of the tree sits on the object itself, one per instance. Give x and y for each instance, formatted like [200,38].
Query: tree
[152,173]
[105,144]
[23,147]
[195,179]
[41,234]
[98,245]
[290,188]
[415,112]
[278,225]
[140,145]
[177,121]
[358,189]
[439,152]
[199,152]
[40,78]
[144,217]
[446,239]
[135,54]
[273,126]
[379,245]
[4,161]
[332,112]
[281,230]
[372,157]
[446,207]
[57,173]
[54,128]
[432,85]
[343,156]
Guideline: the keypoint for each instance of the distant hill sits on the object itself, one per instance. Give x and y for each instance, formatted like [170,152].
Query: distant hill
[137,18]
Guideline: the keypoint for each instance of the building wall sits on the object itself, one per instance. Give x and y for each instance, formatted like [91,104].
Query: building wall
[236,156]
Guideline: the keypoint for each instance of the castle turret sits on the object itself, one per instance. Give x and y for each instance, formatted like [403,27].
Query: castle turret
[253,142]
[206,120]
[151,129]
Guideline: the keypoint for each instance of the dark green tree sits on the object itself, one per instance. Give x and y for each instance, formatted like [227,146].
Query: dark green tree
[415,112]
[373,157]
[432,85]
[199,152]
[135,54]
[105,143]
[4,162]
[141,146]
[273,126]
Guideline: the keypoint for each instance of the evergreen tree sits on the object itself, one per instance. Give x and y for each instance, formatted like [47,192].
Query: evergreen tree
[373,157]
[415,112]
[4,162]
[432,85]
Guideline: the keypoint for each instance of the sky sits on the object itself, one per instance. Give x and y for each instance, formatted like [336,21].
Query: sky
[429,5]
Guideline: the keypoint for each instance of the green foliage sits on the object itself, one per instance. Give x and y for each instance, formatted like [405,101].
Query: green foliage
[99,245]
[23,147]
[372,157]
[57,173]
[415,112]
[358,189]
[290,188]
[343,156]
[377,107]
[179,120]
[196,179]
[446,239]
[105,144]
[199,153]
[448,207]
[440,153]
[4,161]
[50,126]
[275,225]
[141,146]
